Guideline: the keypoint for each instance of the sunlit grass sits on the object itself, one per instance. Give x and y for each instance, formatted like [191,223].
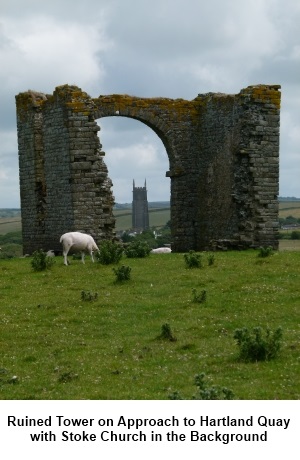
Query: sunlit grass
[56,345]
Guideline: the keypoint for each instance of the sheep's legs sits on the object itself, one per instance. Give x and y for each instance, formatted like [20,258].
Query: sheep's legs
[66,262]
[65,254]
[83,254]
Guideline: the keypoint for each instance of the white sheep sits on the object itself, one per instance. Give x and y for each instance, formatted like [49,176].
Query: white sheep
[161,251]
[78,242]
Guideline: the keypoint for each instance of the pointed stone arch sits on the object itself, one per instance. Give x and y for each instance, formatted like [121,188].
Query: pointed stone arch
[223,152]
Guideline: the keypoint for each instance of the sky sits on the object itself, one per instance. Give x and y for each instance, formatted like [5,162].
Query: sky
[157,48]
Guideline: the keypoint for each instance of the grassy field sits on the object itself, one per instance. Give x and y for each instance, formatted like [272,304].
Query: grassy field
[289,245]
[10,224]
[289,208]
[158,217]
[54,345]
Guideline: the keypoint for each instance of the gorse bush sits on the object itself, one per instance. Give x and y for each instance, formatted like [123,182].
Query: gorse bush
[258,345]
[166,333]
[212,392]
[211,259]
[206,392]
[109,253]
[137,249]
[40,261]
[89,296]
[122,273]
[192,260]
[265,251]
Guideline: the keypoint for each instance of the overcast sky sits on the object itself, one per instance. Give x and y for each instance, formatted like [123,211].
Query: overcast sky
[147,48]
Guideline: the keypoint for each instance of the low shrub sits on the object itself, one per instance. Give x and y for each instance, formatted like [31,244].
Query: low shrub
[211,259]
[257,345]
[205,392]
[213,392]
[265,251]
[137,249]
[122,273]
[109,253]
[166,333]
[192,260]
[40,261]
[89,296]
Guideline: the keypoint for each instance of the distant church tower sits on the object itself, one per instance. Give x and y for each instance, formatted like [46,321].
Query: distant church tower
[140,215]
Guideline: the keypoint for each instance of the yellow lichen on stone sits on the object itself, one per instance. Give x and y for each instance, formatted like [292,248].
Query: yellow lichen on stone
[76,106]
[265,94]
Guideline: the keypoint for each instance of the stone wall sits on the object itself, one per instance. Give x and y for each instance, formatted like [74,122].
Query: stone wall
[223,153]
[64,181]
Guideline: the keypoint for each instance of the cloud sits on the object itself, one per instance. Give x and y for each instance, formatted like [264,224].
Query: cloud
[290,155]
[216,44]
[134,151]
[41,50]
[9,178]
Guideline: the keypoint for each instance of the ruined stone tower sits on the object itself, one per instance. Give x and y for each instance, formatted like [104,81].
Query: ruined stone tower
[140,213]
[223,153]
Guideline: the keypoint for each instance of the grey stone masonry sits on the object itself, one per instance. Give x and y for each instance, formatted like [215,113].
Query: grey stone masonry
[63,179]
[223,153]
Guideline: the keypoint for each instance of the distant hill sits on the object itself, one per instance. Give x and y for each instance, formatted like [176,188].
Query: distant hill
[10,212]
[166,204]
[288,198]
[151,204]
[158,204]
[122,206]
[14,212]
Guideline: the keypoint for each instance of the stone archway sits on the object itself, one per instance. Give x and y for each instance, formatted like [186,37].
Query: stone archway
[134,152]
[223,153]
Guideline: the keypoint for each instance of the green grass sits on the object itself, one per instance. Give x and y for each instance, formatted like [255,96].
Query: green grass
[55,345]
